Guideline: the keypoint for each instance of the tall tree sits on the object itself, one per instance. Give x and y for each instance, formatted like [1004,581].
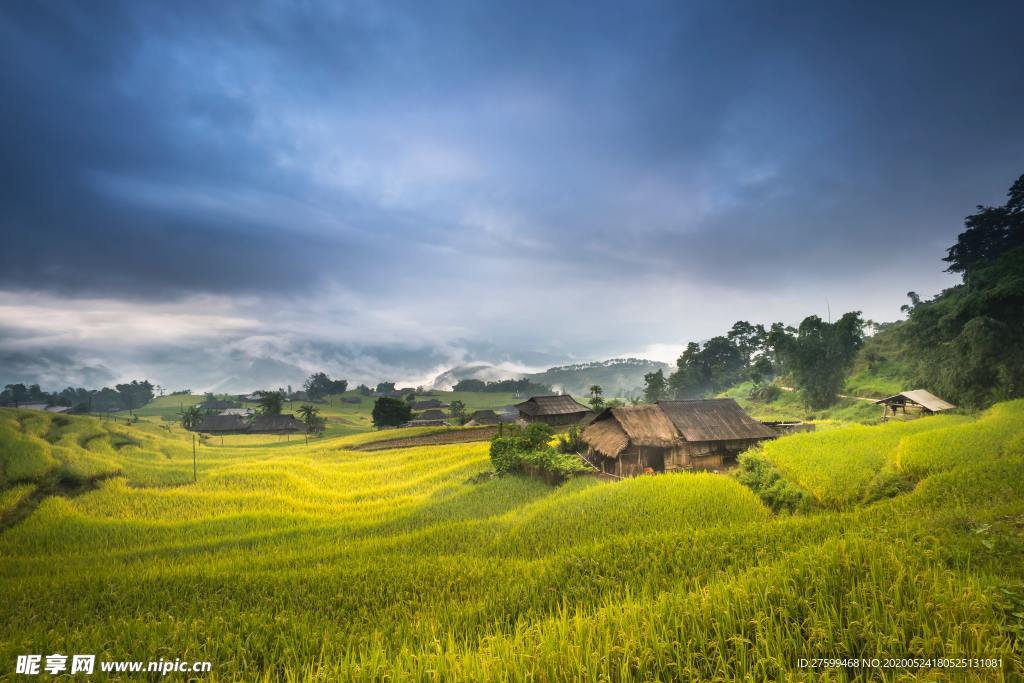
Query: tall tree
[990,233]
[391,412]
[654,386]
[270,402]
[820,355]
[190,417]
[596,399]
[457,409]
[311,417]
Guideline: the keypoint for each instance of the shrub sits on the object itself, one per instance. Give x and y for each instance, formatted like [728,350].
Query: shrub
[571,441]
[758,474]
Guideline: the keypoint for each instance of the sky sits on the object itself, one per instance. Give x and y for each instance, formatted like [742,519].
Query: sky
[230,195]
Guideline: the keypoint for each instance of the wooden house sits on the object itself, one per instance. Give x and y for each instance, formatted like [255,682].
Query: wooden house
[671,435]
[557,411]
[432,414]
[223,424]
[916,401]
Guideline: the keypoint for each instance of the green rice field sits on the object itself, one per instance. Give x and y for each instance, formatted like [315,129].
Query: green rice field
[292,562]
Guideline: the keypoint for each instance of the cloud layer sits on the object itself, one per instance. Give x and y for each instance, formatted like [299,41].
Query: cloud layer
[423,185]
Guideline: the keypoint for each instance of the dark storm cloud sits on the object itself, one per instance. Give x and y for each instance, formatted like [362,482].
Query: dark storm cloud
[154,148]
[410,183]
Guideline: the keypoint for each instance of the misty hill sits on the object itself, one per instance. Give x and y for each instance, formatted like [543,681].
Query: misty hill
[617,376]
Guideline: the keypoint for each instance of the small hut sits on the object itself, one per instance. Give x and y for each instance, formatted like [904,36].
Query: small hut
[918,401]
[483,417]
[670,435]
[557,411]
[432,415]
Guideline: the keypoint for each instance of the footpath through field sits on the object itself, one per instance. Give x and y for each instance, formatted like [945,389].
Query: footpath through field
[454,436]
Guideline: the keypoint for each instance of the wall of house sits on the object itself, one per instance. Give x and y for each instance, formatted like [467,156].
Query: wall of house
[554,420]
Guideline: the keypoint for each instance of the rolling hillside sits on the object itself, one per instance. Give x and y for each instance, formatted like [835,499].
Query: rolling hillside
[319,562]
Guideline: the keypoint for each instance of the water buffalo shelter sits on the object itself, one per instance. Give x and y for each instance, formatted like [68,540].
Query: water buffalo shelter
[557,411]
[671,435]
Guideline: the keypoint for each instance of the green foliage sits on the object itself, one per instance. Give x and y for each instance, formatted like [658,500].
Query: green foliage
[509,446]
[310,415]
[655,386]
[190,417]
[757,473]
[319,385]
[990,233]
[571,441]
[820,355]
[391,412]
[270,402]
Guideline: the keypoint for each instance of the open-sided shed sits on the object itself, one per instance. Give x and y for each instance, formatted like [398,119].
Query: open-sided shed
[917,401]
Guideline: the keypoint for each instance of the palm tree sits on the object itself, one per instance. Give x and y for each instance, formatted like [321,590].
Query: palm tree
[311,416]
[191,417]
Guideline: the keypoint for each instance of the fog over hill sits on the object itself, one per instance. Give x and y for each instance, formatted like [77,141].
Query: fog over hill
[616,376]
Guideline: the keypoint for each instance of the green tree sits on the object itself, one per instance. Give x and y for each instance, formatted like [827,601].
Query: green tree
[270,402]
[385,387]
[820,355]
[191,417]
[457,409]
[390,412]
[311,417]
[596,399]
[990,233]
[654,386]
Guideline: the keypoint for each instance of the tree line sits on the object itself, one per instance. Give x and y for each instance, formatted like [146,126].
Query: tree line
[126,396]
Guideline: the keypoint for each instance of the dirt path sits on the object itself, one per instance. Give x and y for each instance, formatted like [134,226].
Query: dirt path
[454,436]
[856,398]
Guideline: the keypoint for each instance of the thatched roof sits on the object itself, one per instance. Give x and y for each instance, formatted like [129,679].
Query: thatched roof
[222,424]
[275,424]
[431,403]
[923,398]
[551,405]
[614,429]
[484,417]
[715,419]
[432,415]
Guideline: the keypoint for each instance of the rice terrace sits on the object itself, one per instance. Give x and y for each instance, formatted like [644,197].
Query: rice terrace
[500,342]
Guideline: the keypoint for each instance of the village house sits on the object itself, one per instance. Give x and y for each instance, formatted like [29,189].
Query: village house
[917,401]
[260,424]
[482,417]
[557,411]
[671,435]
[431,403]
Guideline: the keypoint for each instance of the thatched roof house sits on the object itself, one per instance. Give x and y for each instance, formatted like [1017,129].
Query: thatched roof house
[669,435]
[223,424]
[431,403]
[918,400]
[277,424]
[483,417]
[553,410]
[432,415]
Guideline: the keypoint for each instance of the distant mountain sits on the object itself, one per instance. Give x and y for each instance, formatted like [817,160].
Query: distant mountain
[617,377]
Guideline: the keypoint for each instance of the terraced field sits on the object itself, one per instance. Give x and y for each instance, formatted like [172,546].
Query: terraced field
[293,562]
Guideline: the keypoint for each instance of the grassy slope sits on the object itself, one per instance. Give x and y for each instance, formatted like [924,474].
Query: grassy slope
[318,561]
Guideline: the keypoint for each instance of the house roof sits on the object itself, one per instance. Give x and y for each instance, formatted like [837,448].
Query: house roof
[222,423]
[433,414]
[922,398]
[277,423]
[551,405]
[431,403]
[715,419]
[615,428]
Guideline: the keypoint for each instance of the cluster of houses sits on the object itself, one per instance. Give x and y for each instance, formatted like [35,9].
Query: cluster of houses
[626,441]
